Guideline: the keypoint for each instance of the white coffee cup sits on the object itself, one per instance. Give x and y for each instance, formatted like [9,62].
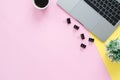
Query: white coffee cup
[41,4]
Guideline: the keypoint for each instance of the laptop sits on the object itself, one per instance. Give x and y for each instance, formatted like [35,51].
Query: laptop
[101,17]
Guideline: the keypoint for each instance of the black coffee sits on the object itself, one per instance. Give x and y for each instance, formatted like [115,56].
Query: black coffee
[41,3]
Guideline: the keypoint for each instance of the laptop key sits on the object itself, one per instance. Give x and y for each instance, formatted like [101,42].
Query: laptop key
[110,10]
[119,7]
[101,13]
[108,18]
[114,19]
[113,13]
[118,12]
[110,21]
[113,23]
[98,0]
[117,16]
[106,2]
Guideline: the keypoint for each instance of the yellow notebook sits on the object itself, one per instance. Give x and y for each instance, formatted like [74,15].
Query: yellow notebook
[112,67]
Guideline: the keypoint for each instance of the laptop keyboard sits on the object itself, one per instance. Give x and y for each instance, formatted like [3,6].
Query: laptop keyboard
[109,9]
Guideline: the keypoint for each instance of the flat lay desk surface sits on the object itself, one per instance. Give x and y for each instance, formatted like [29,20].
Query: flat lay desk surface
[40,45]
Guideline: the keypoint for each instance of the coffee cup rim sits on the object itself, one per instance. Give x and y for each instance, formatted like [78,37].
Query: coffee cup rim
[33,1]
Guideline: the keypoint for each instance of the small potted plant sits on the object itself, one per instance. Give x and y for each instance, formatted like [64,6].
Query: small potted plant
[113,50]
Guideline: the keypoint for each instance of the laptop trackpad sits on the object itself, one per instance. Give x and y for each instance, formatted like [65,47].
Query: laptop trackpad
[85,14]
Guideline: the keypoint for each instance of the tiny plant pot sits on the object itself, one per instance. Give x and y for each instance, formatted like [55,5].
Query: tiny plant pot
[113,50]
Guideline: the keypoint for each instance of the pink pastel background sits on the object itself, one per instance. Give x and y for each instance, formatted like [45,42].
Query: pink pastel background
[39,45]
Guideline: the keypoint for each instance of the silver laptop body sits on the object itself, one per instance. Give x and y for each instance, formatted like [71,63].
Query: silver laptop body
[89,17]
